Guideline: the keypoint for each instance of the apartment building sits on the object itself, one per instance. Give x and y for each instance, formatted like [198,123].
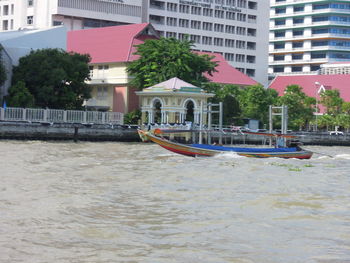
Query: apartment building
[74,14]
[237,29]
[304,34]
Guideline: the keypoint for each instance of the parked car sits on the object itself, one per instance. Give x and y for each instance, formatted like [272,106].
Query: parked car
[336,133]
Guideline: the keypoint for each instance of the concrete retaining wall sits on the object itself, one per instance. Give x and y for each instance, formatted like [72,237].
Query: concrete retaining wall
[65,131]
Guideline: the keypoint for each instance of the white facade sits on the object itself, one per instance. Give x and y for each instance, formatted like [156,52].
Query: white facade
[238,29]
[305,34]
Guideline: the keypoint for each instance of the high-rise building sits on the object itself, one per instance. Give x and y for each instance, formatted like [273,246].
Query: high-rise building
[237,29]
[304,34]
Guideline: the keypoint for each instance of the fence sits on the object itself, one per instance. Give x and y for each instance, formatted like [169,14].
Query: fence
[60,116]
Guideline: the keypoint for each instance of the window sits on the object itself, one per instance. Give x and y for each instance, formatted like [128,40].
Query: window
[251,19]
[252,5]
[250,59]
[280,10]
[241,17]
[251,45]
[195,38]
[229,56]
[229,29]
[218,28]
[229,43]
[195,10]
[5,10]
[315,67]
[56,23]
[298,20]
[172,7]
[240,44]
[240,58]
[207,26]
[171,34]
[183,36]
[219,13]
[184,9]
[5,25]
[280,33]
[195,24]
[299,8]
[12,9]
[278,57]
[318,43]
[102,70]
[91,69]
[251,32]
[206,40]
[230,15]
[183,23]
[278,69]
[171,21]
[250,72]
[102,93]
[240,30]
[30,20]
[298,32]
[297,56]
[298,44]
[297,69]
[218,41]
[280,22]
[318,55]
[279,45]
[207,12]
[30,2]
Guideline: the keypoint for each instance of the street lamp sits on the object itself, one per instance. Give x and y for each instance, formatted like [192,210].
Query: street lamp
[317,84]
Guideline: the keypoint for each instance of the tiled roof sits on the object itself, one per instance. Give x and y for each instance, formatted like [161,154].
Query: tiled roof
[108,44]
[312,83]
[116,44]
[226,73]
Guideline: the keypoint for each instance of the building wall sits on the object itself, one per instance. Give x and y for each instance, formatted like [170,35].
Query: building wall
[306,34]
[241,34]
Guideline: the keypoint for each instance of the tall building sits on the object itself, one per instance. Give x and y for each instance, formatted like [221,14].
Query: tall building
[237,29]
[304,34]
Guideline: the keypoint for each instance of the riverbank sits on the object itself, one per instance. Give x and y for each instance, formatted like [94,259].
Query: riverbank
[67,131]
[128,133]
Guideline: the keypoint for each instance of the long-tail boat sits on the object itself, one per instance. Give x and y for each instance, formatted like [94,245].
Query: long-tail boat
[195,150]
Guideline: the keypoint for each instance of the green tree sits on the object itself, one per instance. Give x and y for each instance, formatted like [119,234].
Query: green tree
[165,58]
[326,121]
[19,96]
[332,101]
[300,106]
[346,107]
[255,101]
[132,117]
[228,94]
[55,78]
[343,120]
[3,76]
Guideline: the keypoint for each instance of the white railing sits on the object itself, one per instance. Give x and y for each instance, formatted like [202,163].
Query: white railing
[60,116]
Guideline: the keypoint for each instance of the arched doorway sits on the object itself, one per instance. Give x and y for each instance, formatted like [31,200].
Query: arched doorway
[157,109]
[189,111]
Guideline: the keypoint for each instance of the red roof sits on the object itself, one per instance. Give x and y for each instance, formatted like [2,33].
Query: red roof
[108,44]
[116,44]
[308,83]
[226,73]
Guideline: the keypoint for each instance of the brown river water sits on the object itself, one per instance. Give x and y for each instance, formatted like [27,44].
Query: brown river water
[134,202]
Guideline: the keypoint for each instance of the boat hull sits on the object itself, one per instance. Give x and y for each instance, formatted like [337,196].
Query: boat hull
[208,150]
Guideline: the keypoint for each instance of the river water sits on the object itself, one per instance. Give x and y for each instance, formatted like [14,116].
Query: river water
[134,202]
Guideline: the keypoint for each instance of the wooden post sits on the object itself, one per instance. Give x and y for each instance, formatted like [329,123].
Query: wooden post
[2,114]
